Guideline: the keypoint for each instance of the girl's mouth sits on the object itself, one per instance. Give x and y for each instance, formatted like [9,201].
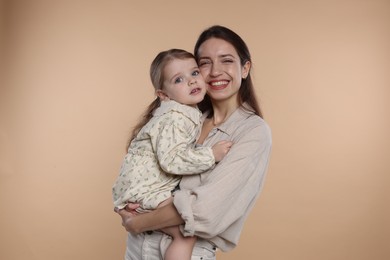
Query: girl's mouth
[195,91]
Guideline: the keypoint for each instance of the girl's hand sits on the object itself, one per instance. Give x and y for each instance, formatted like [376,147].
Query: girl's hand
[220,149]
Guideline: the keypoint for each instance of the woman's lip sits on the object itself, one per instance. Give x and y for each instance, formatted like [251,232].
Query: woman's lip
[218,83]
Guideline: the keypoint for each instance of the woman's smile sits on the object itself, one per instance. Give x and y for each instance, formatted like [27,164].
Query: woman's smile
[217,85]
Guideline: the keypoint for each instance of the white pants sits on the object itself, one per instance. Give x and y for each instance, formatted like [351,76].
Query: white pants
[152,246]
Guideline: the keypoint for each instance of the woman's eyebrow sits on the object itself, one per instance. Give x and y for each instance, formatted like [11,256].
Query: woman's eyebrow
[203,58]
[226,55]
[219,56]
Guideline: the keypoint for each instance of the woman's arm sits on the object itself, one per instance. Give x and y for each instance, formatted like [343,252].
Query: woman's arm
[159,218]
[220,203]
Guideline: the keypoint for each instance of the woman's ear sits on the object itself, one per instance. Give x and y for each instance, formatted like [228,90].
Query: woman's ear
[245,69]
[162,96]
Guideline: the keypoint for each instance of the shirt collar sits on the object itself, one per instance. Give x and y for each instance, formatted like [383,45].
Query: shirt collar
[241,113]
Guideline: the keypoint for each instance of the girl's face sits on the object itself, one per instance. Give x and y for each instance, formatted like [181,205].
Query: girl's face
[221,68]
[182,82]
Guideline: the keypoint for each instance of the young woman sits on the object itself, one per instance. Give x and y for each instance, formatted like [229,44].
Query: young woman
[163,144]
[213,205]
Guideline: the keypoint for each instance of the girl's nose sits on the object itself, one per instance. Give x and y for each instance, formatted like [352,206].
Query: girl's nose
[192,81]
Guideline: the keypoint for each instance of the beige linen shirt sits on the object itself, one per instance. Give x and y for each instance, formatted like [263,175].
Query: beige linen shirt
[215,204]
[163,149]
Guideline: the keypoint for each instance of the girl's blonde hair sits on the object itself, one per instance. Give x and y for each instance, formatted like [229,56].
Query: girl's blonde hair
[157,78]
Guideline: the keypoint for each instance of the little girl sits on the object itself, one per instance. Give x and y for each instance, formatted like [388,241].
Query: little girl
[162,146]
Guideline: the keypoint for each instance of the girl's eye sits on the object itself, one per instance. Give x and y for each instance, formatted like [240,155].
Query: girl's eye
[178,80]
[195,73]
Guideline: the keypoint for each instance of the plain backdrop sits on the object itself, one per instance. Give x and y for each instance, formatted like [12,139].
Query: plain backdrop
[74,80]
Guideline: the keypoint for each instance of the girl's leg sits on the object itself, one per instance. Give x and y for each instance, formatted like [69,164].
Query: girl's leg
[181,247]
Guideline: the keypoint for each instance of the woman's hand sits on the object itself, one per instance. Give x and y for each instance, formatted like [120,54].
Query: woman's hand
[159,218]
[127,214]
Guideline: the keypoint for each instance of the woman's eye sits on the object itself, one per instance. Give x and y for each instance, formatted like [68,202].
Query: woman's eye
[178,80]
[227,61]
[203,63]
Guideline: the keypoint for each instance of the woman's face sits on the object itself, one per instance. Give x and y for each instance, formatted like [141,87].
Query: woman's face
[221,68]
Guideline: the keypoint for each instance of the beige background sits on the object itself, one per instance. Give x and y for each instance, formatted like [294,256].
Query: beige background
[75,79]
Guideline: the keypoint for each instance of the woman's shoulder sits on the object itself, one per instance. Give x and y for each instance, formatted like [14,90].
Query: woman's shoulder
[246,122]
[249,118]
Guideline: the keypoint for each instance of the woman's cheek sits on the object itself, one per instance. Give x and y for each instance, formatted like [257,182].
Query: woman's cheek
[205,72]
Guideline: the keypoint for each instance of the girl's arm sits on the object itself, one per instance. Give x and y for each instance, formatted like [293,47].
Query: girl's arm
[174,144]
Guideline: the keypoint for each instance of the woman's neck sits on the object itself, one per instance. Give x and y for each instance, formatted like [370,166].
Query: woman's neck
[222,111]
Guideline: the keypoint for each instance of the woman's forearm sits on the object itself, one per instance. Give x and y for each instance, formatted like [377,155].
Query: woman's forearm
[159,218]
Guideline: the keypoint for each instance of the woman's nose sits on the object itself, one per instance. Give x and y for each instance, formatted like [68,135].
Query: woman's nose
[215,70]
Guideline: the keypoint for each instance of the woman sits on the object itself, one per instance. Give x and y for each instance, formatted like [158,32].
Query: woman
[214,205]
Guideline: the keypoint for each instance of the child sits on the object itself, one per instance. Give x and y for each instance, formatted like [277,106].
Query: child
[162,146]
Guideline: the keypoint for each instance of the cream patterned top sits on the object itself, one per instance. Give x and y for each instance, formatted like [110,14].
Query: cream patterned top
[163,150]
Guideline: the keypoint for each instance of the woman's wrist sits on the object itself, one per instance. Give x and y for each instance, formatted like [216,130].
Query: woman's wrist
[136,224]
[162,217]
[159,218]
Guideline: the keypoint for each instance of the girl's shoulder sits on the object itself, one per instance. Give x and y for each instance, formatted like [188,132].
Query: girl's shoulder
[174,109]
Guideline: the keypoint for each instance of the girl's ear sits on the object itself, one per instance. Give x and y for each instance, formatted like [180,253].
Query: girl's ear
[245,69]
[162,95]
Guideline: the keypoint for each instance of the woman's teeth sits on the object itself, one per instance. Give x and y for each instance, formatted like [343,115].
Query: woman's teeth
[218,83]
